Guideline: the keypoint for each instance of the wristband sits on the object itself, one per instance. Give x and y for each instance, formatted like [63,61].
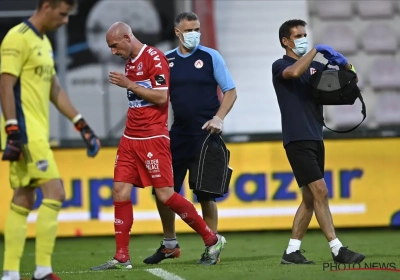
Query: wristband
[77,118]
[353,69]
[12,122]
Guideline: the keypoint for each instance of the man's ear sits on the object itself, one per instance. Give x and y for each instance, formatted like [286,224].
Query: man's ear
[46,6]
[177,33]
[285,42]
[127,38]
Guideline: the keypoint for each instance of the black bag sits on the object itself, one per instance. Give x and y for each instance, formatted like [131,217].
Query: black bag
[335,87]
[210,172]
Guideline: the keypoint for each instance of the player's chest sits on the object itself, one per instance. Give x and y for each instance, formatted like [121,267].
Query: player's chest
[40,53]
[190,70]
[137,71]
[40,61]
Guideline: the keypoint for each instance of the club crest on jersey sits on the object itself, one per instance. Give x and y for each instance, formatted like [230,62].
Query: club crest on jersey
[140,66]
[171,64]
[198,64]
[312,71]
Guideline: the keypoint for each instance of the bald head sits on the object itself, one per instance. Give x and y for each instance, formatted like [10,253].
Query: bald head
[118,30]
[121,40]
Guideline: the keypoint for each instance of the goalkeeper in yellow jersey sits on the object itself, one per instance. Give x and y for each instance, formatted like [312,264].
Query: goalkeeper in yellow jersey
[28,83]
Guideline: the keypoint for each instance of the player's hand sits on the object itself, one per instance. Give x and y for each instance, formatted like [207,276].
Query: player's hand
[214,125]
[325,49]
[92,142]
[13,150]
[337,59]
[119,79]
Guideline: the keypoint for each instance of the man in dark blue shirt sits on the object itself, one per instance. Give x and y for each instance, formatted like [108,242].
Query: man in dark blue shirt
[302,138]
[196,73]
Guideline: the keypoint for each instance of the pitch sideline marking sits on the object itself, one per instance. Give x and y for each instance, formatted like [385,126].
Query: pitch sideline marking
[163,274]
[71,272]
[159,272]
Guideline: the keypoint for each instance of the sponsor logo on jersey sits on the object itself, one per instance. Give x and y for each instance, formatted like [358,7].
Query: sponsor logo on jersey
[42,165]
[134,101]
[160,80]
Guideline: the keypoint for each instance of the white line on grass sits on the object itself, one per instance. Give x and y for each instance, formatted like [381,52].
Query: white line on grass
[74,272]
[163,274]
[159,272]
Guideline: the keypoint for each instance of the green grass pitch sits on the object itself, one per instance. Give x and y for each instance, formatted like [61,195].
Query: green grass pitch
[246,256]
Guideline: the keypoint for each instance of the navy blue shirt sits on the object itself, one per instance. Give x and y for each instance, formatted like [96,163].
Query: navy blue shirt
[298,118]
[193,87]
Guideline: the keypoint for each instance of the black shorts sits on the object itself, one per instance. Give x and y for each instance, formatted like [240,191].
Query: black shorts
[184,149]
[307,159]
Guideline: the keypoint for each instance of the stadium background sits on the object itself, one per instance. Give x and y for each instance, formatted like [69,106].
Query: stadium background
[362,166]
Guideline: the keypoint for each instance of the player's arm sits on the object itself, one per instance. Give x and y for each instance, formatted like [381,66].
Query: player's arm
[156,96]
[12,57]
[7,83]
[297,69]
[159,77]
[225,82]
[159,73]
[61,101]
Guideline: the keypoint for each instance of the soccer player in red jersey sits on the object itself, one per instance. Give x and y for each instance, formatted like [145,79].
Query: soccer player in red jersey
[144,157]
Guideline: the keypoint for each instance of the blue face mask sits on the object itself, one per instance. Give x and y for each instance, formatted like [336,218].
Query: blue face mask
[191,39]
[301,46]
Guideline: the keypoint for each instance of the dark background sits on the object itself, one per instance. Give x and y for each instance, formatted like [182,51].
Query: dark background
[77,25]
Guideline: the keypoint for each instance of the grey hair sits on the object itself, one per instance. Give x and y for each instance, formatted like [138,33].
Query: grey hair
[189,16]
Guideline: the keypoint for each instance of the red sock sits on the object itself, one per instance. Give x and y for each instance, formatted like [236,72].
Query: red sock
[123,214]
[185,209]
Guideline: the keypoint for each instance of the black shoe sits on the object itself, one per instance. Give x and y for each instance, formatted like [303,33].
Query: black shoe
[295,258]
[163,253]
[347,256]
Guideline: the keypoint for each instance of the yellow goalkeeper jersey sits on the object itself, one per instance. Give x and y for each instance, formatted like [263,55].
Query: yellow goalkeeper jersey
[28,55]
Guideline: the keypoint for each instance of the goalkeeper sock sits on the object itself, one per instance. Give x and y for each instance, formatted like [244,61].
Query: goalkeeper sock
[11,275]
[170,243]
[294,245]
[185,209]
[14,239]
[46,231]
[42,271]
[122,225]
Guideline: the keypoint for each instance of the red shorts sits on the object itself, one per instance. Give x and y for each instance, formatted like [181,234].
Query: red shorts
[144,162]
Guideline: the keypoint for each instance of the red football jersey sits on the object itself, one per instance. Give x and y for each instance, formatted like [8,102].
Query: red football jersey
[149,69]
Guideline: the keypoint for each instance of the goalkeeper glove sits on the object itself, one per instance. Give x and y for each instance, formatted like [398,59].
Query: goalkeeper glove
[13,150]
[91,140]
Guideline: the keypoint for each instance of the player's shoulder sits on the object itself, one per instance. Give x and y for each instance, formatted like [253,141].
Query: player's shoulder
[151,51]
[17,32]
